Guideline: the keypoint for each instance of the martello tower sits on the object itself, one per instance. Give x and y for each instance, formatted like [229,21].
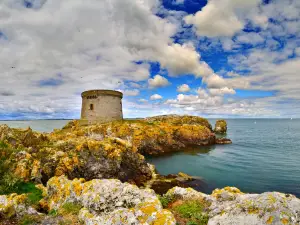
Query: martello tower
[101,106]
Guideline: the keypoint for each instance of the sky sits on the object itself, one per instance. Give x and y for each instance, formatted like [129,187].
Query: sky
[216,58]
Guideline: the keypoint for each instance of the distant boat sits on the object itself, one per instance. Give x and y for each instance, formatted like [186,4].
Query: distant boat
[255,122]
[291,118]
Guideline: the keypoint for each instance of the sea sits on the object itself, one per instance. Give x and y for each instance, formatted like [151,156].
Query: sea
[264,156]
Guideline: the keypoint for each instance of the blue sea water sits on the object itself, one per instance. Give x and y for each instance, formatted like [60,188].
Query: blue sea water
[264,156]
[37,125]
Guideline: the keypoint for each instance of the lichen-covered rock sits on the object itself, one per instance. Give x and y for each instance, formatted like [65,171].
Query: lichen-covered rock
[151,136]
[100,151]
[221,127]
[223,141]
[70,153]
[107,202]
[179,120]
[15,205]
[230,206]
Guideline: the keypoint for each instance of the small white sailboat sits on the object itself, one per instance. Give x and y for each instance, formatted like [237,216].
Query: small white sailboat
[291,118]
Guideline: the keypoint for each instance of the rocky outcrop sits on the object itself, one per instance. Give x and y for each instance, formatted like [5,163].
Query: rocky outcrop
[100,151]
[221,127]
[152,136]
[15,205]
[230,206]
[72,155]
[111,202]
[179,120]
[161,184]
[223,141]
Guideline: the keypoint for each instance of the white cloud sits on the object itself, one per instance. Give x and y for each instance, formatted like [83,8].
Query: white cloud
[74,45]
[183,59]
[297,51]
[156,97]
[158,81]
[215,81]
[134,92]
[202,93]
[232,74]
[221,91]
[135,85]
[183,101]
[250,38]
[184,88]
[143,100]
[221,17]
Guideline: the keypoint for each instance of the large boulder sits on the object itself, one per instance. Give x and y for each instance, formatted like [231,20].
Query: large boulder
[229,206]
[107,202]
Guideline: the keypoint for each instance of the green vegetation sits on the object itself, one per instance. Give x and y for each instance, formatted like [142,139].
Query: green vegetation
[34,194]
[8,182]
[71,208]
[165,200]
[28,220]
[53,212]
[3,145]
[193,211]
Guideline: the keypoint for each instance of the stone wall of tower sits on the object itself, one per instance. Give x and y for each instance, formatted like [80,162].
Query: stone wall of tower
[101,106]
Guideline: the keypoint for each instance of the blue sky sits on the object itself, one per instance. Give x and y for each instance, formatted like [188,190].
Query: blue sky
[216,58]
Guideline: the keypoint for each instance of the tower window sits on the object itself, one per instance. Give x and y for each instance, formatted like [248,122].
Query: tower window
[91,106]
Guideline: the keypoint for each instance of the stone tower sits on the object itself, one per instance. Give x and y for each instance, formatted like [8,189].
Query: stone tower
[101,106]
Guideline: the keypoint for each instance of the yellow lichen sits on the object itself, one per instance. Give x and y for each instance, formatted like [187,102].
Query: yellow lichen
[284,221]
[270,220]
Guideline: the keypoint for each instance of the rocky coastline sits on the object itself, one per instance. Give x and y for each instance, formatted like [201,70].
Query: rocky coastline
[98,174]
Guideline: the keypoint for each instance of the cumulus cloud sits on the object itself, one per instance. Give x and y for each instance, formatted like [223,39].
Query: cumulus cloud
[217,82]
[183,101]
[221,91]
[183,88]
[156,97]
[221,17]
[183,59]
[158,81]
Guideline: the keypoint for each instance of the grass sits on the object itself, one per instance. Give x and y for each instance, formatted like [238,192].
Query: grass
[3,145]
[193,211]
[53,212]
[165,200]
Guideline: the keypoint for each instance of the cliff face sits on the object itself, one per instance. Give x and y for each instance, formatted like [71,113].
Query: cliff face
[110,202]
